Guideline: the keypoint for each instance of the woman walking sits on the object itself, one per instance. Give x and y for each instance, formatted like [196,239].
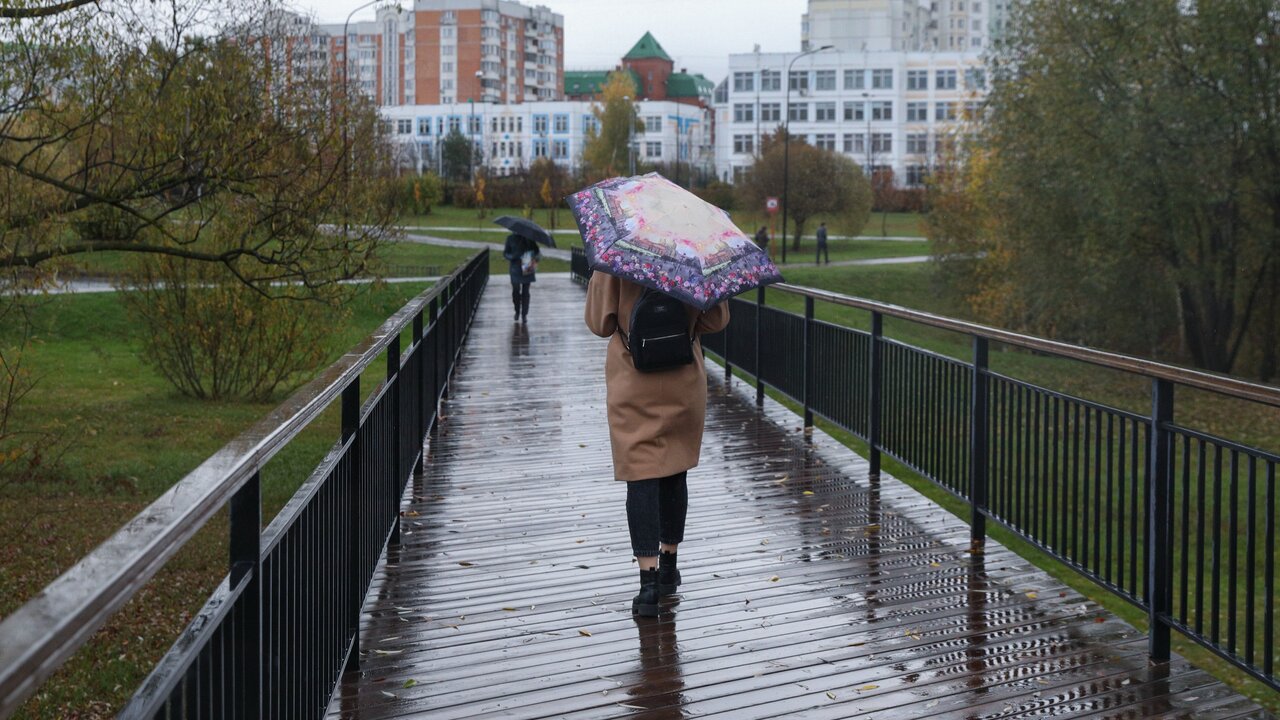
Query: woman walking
[655,429]
[523,254]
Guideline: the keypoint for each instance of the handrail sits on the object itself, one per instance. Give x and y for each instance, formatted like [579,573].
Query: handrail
[42,634]
[1222,384]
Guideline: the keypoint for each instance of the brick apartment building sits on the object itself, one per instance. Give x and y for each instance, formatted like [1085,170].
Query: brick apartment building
[441,51]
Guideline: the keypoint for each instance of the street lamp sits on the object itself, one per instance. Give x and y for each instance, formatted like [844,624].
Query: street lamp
[786,142]
[346,109]
[631,134]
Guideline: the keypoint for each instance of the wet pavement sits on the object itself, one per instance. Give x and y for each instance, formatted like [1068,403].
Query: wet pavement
[810,590]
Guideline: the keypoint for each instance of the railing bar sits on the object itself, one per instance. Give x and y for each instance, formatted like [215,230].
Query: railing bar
[1184,579]
[1227,444]
[1135,507]
[1251,559]
[1192,378]
[1216,587]
[1200,546]
[1099,521]
[1233,553]
[1036,524]
[1122,476]
[1073,487]
[1109,563]
[1269,610]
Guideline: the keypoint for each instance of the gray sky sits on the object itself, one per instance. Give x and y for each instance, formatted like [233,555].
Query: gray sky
[697,34]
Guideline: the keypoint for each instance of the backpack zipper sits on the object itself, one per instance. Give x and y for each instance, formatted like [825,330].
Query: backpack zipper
[645,341]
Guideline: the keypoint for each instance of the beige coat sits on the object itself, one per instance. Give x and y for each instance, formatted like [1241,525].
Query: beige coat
[655,419]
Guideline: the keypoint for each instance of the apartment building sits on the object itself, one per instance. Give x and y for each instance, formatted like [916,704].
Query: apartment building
[903,25]
[512,136]
[441,51]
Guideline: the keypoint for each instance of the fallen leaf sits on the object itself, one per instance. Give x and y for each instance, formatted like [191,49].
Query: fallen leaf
[584,633]
[388,652]
[831,695]
[775,578]
[464,563]
[389,694]
[808,492]
[1032,595]
[868,687]
[930,704]
[509,609]
[409,683]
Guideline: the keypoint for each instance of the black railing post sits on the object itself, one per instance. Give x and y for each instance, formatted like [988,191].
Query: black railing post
[393,379]
[1159,525]
[433,341]
[420,367]
[759,370]
[246,559]
[808,362]
[875,379]
[728,364]
[978,412]
[355,510]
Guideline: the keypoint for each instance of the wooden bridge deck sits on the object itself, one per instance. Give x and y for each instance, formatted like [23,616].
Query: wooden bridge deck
[810,590]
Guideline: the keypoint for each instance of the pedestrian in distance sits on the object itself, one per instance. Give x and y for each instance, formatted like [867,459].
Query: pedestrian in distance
[655,429]
[523,255]
[762,238]
[822,245]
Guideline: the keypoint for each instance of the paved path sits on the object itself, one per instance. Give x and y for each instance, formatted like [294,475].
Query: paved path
[810,589]
[573,231]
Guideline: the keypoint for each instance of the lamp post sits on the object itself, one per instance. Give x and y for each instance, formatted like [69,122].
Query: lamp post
[631,134]
[471,132]
[866,108]
[346,109]
[786,142]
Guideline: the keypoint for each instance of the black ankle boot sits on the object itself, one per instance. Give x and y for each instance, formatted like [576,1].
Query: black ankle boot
[668,575]
[645,603]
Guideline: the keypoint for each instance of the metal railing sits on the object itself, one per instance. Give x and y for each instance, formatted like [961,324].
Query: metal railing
[278,631]
[579,270]
[1178,522]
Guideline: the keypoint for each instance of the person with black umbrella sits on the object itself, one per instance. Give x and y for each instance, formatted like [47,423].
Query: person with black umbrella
[521,250]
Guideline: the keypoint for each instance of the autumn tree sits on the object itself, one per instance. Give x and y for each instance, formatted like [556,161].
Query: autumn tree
[605,150]
[820,181]
[551,183]
[1127,187]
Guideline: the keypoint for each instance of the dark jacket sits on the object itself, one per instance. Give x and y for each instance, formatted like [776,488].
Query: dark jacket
[514,248]
[762,238]
[822,236]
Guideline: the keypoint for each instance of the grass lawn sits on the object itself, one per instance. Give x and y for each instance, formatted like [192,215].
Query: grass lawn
[913,286]
[130,436]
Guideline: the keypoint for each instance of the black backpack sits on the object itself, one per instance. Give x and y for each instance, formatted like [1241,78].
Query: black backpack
[659,338]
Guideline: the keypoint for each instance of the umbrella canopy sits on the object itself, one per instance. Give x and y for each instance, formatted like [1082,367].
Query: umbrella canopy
[649,230]
[527,229]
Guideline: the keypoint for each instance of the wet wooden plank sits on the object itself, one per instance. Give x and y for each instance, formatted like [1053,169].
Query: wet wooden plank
[810,589]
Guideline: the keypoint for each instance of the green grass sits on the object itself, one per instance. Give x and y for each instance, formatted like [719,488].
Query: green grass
[913,286]
[130,437]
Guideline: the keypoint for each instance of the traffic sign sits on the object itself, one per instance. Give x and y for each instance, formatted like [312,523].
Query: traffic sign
[771,205]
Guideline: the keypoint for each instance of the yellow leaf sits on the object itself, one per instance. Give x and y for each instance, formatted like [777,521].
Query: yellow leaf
[775,578]
[584,633]
[868,687]
[1032,595]
[808,492]
[831,695]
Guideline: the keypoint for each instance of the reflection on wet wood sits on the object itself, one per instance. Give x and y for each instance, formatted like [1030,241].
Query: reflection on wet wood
[810,589]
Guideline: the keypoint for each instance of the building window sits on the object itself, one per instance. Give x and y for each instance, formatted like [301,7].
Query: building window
[561,124]
[945,80]
[590,125]
[917,112]
[560,149]
[744,82]
[540,124]
[975,79]
[653,149]
[824,80]
[455,124]
[918,143]
[854,143]
[446,84]
[404,127]
[476,124]
[798,112]
[944,111]
[972,110]
[882,79]
[446,49]
[446,67]
[824,112]
[916,175]
[744,112]
[424,126]
[446,32]
[744,144]
[825,141]
[881,143]
[917,79]
[882,110]
[539,148]
[855,80]
[855,111]
[798,80]
[770,112]
[652,123]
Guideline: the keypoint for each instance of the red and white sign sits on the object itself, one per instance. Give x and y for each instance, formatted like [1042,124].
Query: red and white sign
[771,205]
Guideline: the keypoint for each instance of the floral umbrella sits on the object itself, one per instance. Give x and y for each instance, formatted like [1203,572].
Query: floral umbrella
[651,231]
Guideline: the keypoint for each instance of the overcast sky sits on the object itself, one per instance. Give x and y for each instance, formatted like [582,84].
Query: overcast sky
[697,34]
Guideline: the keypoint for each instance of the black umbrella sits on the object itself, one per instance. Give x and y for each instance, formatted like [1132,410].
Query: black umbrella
[526,229]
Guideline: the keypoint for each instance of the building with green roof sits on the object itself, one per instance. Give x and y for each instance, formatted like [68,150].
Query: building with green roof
[652,73]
